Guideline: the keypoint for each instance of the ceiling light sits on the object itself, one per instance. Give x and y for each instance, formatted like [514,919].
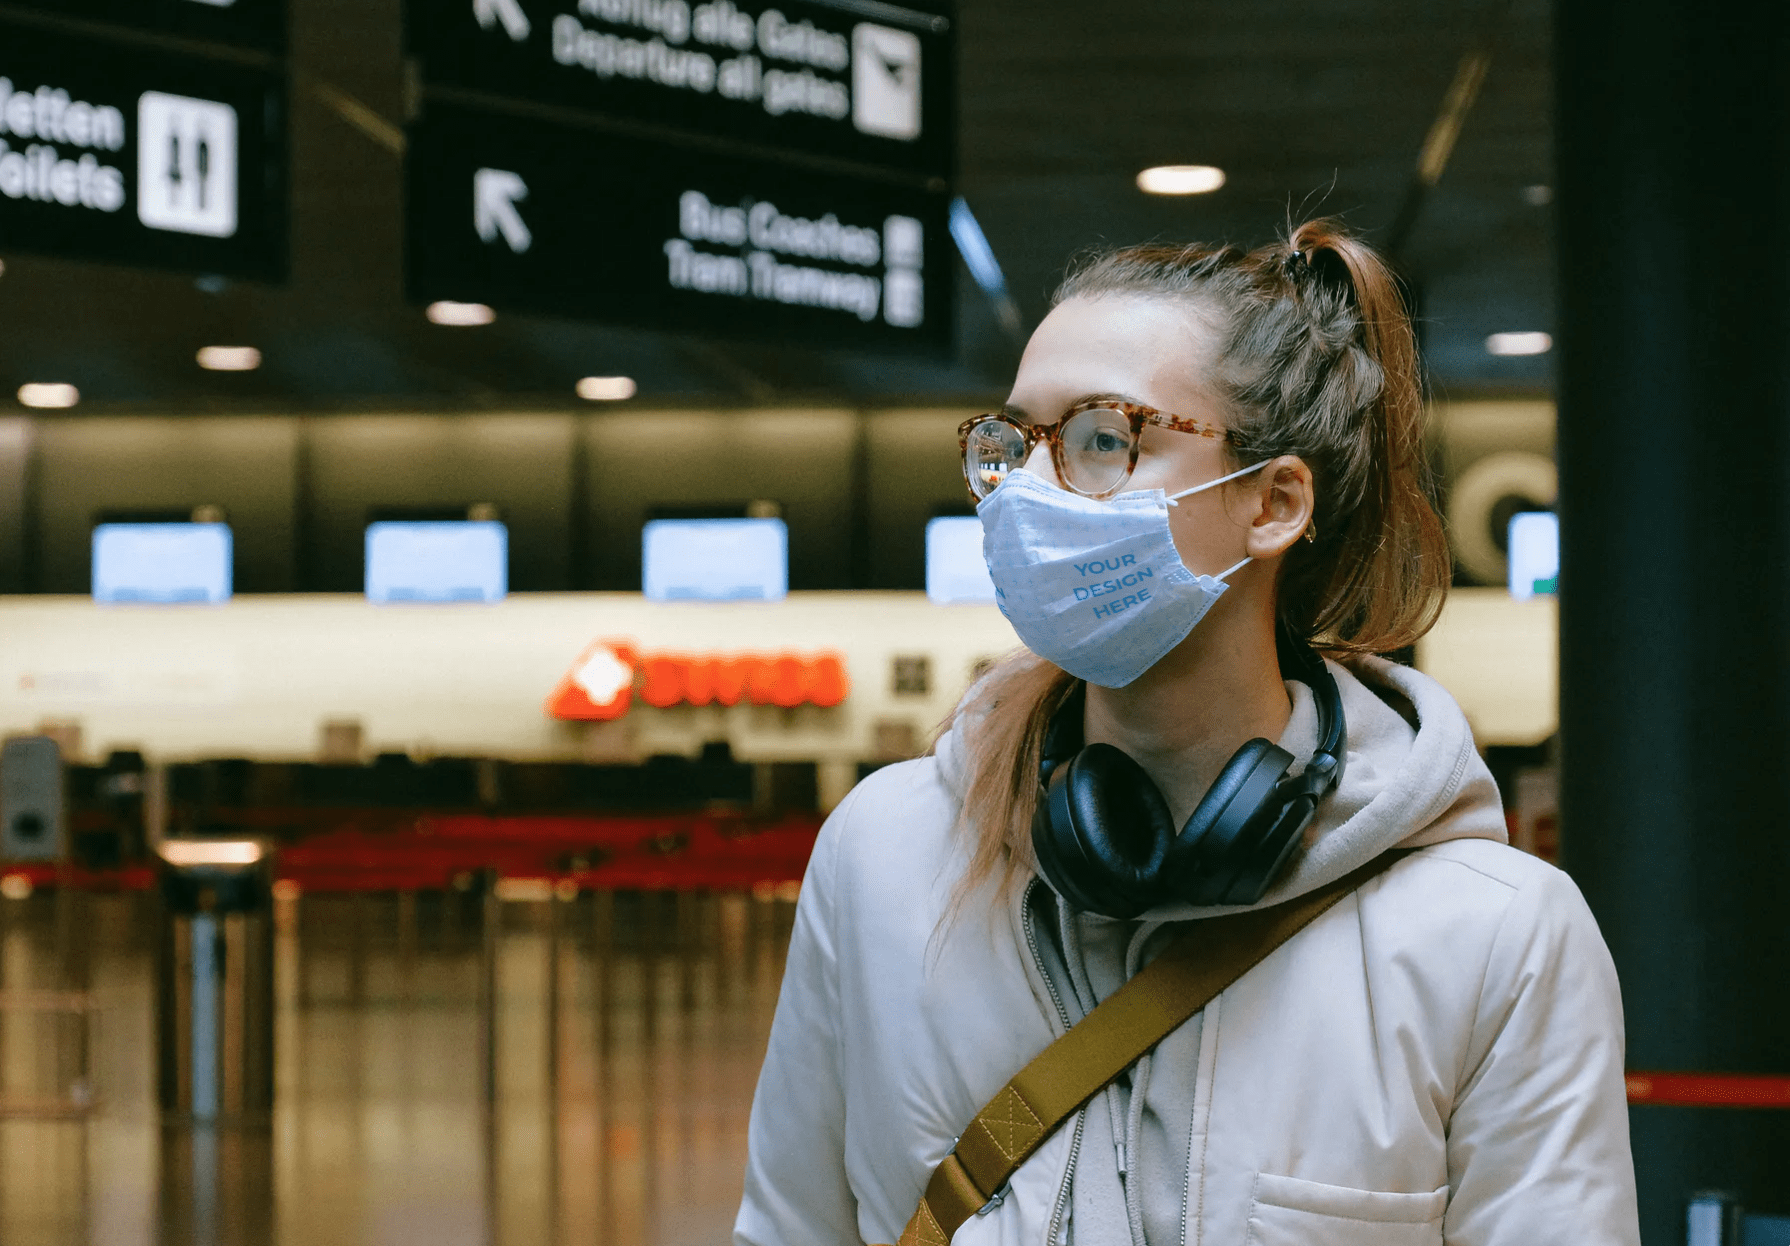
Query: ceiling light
[229,358]
[1519,343]
[1538,195]
[459,314]
[48,394]
[1180,179]
[607,388]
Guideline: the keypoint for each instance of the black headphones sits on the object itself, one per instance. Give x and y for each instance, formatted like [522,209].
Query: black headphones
[1102,832]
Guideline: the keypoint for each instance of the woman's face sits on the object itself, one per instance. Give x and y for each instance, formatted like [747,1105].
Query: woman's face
[1152,351]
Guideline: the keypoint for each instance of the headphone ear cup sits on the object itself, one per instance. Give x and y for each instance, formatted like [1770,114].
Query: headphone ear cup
[1224,833]
[1102,833]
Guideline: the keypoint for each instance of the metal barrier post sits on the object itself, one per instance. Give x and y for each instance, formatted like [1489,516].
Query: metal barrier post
[214,1015]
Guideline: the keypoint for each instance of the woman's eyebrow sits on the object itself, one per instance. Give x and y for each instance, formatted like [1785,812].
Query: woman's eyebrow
[1019,413]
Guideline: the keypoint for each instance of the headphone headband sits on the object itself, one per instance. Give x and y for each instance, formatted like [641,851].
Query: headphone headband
[1306,665]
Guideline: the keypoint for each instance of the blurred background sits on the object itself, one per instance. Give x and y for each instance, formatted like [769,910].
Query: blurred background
[479,482]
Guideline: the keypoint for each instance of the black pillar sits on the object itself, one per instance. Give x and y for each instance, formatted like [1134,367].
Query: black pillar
[1673,202]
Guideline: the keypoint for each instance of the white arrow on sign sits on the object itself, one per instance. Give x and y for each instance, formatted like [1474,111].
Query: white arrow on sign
[509,12]
[495,194]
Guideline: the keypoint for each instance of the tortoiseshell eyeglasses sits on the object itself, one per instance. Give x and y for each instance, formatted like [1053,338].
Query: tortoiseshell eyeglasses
[1093,447]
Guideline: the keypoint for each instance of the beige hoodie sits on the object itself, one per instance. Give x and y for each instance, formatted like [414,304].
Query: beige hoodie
[1438,1058]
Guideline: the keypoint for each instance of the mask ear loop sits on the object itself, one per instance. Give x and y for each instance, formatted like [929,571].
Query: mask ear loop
[1213,484]
[1228,572]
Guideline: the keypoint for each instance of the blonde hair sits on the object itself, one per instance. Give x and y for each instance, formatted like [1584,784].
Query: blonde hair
[1318,360]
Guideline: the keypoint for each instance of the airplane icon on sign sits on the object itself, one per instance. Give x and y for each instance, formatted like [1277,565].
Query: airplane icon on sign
[508,12]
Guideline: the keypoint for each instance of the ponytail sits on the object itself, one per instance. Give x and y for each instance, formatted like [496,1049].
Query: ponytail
[1341,388]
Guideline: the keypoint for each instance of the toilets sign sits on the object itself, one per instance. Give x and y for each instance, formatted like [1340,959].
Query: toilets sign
[566,221]
[868,82]
[113,153]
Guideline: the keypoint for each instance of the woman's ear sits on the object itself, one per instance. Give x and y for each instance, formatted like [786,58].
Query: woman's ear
[1283,500]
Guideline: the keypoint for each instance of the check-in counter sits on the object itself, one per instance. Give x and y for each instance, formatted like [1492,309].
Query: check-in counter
[833,678]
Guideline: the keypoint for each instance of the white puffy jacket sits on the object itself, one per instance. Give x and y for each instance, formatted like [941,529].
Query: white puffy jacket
[1436,1059]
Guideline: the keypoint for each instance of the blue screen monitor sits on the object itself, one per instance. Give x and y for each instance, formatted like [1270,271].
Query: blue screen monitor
[437,560]
[714,559]
[1534,547]
[956,573]
[161,562]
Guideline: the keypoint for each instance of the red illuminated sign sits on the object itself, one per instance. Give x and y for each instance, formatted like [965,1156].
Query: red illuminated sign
[607,677]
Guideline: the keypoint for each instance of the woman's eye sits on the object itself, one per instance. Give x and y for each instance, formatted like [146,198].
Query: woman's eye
[1108,443]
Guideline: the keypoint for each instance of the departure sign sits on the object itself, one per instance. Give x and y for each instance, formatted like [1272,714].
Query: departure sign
[560,219]
[858,80]
[114,152]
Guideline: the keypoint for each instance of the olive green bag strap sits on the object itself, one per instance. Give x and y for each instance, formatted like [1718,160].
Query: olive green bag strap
[1189,973]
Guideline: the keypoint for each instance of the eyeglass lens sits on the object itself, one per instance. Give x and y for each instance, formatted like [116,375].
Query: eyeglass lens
[1096,454]
[1096,451]
[994,449]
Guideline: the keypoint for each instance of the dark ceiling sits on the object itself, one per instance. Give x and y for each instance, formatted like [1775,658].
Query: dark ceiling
[1309,105]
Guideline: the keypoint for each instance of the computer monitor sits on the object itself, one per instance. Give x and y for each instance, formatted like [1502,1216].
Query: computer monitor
[956,573]
[714,559]
[161,562]
[1534,554]
[437,560]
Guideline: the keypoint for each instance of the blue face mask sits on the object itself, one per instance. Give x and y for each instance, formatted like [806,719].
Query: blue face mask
[1096,587]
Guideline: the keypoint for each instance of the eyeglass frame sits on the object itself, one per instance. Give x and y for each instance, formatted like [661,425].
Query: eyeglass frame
[1135,412]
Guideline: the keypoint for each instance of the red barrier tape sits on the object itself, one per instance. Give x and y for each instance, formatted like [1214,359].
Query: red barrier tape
[1709,1090]
[388,850]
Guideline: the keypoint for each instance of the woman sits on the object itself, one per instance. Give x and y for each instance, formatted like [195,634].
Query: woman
[1224,446]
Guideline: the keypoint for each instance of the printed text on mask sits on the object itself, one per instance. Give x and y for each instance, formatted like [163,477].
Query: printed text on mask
[1101,566]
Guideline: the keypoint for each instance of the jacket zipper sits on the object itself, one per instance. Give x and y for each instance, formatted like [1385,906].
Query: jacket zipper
[1025,914]
[1056,1215]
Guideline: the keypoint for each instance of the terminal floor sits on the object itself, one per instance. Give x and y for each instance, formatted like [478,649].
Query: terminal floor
[627,1031]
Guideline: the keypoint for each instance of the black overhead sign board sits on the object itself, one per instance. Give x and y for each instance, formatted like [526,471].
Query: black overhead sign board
[256,24]
[857,80]
[131,154]
[565,220]
[770,169]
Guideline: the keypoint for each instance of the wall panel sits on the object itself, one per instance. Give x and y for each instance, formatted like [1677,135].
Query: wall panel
[15,445]
[522,463]
[802,459]
[86,465]
[914,473]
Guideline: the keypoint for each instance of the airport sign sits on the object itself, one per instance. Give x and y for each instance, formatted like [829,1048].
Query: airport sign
[861,81]
[521,213]
[141,156]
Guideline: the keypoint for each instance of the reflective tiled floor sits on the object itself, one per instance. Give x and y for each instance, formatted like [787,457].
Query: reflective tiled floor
[626,1035]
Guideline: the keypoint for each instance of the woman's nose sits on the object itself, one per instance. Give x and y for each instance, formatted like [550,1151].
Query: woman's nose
[1039,463]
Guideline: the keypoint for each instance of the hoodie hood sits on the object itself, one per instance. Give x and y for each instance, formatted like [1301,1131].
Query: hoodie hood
[1411,777]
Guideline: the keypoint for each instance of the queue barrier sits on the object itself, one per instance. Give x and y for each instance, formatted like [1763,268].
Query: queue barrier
[381,850]
[214,980]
